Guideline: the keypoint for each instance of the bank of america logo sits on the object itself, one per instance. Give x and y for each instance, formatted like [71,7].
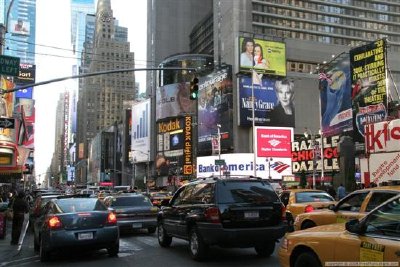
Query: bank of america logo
[279,166]
[274,142]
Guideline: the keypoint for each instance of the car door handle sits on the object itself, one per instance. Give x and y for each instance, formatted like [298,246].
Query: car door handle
[397,253]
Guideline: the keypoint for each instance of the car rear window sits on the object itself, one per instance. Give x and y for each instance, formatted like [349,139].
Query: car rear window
[246,192]
[139,201]
[302,197]
[80,205]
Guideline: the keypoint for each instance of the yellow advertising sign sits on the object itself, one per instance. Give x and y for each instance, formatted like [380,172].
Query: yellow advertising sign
[263,56]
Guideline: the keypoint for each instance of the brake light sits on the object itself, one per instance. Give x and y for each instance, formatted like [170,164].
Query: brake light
[308,208]
[283,212]
[54,223]
[212,215]
[111,219]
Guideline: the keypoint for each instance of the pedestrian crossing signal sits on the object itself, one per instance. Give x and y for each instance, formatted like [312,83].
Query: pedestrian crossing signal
[194,89]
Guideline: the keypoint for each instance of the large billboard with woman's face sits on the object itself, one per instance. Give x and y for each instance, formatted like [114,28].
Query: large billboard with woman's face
[264,56]
[215,108]
[173,100]
[273,101]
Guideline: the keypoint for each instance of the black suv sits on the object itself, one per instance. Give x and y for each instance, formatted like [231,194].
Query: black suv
[230,212]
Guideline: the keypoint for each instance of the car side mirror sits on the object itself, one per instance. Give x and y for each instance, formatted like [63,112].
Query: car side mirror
[354,226]
[332,207]
[165,202]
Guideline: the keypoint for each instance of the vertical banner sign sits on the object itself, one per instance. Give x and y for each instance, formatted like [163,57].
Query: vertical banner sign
[368,75]
[335,97]
[187,147]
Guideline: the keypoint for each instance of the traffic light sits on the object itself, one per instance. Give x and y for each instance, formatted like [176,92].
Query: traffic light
[194,89]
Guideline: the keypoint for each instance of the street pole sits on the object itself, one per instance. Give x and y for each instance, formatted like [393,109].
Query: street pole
[314,159]
[253,123]
[219,148]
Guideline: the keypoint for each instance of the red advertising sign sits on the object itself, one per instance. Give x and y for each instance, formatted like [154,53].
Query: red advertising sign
[274,142]
[382,136]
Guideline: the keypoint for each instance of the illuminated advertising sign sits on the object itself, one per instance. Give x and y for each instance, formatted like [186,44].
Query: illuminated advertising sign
[335,96]
[274,142]
[369,88]
[215,107]
[187,147]
[27,74]
[173,100]
[264,56]
[303,155]
[268,102]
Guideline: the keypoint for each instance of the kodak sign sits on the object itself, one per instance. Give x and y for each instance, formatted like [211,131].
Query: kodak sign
[382,137]
[169,126]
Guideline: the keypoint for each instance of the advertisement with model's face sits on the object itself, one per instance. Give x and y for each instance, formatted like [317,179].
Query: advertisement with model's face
[263,56]
[173,100]
[20,27]
[215,100]
[273,101]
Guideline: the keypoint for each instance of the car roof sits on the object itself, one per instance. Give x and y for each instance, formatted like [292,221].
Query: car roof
[303,190]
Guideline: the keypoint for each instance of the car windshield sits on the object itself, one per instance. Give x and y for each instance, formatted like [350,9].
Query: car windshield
[302,197]
[136,201]
[246,192]
[80,205]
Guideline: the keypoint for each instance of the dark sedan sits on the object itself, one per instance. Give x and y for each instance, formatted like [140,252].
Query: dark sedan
[75,223]
[134,211]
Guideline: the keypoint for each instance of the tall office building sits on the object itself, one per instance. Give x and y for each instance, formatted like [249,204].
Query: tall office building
[100,97]
[21,37]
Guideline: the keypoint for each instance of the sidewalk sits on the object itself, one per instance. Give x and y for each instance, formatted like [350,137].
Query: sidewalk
[8,251]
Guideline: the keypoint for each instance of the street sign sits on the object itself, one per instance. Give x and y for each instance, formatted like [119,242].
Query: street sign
[7,123]
[9,65]
[220,162]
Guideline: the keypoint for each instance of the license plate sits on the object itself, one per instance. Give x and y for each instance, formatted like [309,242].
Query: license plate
[85,236]
[251,215]
[136,225]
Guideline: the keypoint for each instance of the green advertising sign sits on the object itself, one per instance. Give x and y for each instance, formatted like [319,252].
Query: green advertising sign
[9,65]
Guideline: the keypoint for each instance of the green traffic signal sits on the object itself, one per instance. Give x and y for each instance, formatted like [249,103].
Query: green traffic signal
[194,89]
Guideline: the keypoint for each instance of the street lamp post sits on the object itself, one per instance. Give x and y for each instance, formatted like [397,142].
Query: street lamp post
[313,145]
[269,167]
[219,148]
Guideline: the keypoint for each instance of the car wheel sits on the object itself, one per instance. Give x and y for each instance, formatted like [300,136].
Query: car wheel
[197,247]
[163,239]
[307,224]
[265,250]
[307,259]
[113,250]
[44,254]
[151,230]
[290,222]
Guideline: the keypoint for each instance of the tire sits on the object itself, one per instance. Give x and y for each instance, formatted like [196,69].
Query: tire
[113,250]
[307,224]
[197,247]
[290,222]
[265,250]
[163,239]
[307,259]
[44,254]
[151,230]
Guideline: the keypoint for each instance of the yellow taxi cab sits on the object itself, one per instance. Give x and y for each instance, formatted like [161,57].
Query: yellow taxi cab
[298,201]
[354,206]
[373,241]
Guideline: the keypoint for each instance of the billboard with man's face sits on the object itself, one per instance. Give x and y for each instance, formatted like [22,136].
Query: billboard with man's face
[263,56]
[20,27]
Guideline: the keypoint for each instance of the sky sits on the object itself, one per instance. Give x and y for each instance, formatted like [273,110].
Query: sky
[53,60]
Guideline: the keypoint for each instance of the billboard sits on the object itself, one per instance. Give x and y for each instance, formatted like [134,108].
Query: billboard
[382,137]
[243,164]
[264,56]
[335,97]
[140,135]
[20,27]
[273,101]
[215,100]
[303,154]
[369,88]
[274,142]
[27,74]
[173,100]
[384,167]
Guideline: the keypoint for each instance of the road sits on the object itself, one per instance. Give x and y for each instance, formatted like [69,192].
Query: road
[138,249]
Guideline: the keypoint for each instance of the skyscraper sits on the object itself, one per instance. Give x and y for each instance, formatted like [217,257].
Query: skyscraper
[101,97]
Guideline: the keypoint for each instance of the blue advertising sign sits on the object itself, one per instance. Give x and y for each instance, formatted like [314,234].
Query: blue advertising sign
[335,96]
[24,93]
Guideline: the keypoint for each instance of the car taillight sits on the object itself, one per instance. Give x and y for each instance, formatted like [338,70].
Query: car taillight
[283,212]
[308,208]
[111,219]
[212,215]
[54,223]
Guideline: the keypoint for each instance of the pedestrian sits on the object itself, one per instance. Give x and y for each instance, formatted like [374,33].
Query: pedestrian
[331,191]
[341,192]
[19,207]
